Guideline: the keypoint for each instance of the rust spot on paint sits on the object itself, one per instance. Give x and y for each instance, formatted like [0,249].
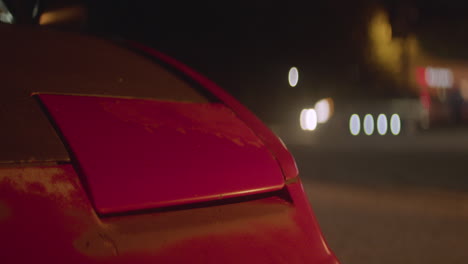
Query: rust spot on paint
[153,232]
[4,211]
[39,181]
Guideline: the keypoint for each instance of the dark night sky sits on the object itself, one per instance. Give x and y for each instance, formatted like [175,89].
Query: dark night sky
[265,30]
[248,46]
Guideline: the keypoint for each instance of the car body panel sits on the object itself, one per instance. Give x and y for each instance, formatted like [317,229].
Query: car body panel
[274,143]
[36,59]
[139,154]
[46,217]
[47,208]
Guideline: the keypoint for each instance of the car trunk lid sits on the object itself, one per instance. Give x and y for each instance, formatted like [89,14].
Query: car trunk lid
[140,154]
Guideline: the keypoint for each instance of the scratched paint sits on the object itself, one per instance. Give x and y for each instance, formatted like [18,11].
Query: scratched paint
[39,181]
[213,119]
[146,161]
[266,230]
[158,231]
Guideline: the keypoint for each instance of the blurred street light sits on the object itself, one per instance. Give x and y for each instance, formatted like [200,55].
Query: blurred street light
[395,124]
[293,76]
[324,109]
[354,124]
[308,119]
[368,124]
[382,125]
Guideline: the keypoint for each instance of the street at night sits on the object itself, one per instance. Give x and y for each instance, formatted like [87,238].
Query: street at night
[404,204]
[166,131]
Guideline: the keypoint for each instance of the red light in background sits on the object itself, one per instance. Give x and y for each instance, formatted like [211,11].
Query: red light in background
[421,76]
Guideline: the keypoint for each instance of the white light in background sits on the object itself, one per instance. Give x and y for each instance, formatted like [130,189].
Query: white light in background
[5,14]
[302,119]
[324,109]
[35,10]
[293,76]
[308,119]
[354,124]
[438,77]
[368,124]
[382,125]
[395,124]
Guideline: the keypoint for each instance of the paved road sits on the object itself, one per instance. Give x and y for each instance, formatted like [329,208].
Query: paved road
[381,206]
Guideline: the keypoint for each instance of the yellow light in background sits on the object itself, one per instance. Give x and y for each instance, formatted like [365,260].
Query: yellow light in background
[72,14]
[385,52]
[324,109]
[380,28]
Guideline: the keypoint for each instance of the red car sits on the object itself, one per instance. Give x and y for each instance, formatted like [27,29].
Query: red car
[116,153]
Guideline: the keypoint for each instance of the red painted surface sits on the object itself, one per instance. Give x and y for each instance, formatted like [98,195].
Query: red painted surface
[421,76]
[46,217]
[424,94]
[140,154]
[275,145]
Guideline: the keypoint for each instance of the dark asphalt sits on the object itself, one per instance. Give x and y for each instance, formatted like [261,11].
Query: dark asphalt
[377,205]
